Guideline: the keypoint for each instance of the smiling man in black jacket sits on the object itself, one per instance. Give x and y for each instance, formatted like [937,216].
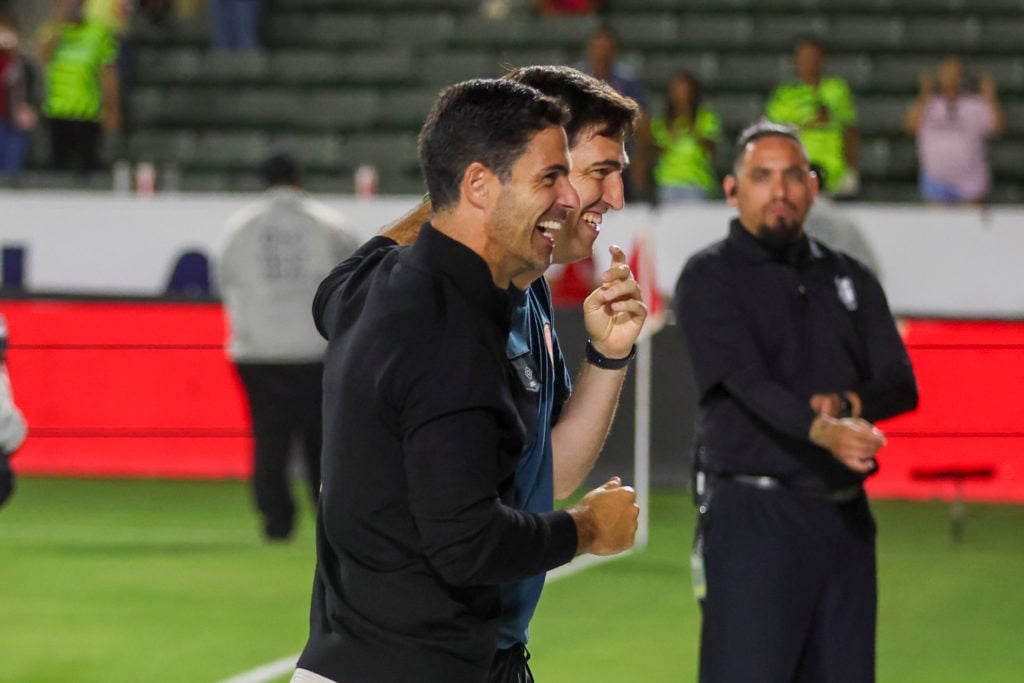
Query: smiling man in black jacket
[425,416]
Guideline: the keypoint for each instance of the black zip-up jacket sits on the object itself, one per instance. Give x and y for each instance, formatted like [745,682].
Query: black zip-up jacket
[422,432]
[766,329]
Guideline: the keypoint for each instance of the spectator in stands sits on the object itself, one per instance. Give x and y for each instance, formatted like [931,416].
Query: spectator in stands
[602,62]
[235,24]
[12,423]
[268,265]
[685,137]
[82,86]
[549,8]
[952,127]
[822,108]
[18,115]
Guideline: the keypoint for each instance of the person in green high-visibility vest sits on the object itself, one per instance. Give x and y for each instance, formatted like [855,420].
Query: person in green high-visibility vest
[822,108]
[82,86]
[685,137]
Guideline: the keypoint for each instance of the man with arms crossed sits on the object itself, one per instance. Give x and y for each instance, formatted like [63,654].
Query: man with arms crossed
[795,354]
[425,416]
[555,462]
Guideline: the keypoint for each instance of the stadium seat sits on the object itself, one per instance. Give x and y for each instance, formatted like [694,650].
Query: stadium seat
[899,73]
[305,66]
[477,31]
[1014,112]
[169,64]
[429,29]
[715,31]
[162,146]
[737,111]
[262,107]
[406,108]
[880,115]
[865,32]
[1005,156]
[567,32]
[314,152]
[326,30]
[1002,34]
[782,31]
[528,57]
[450,66]
[892,157]
[752,72]
[659,67]
[343,109]
[234,68]
[390,154]
[1007,70]
[855,68]
[902,157]
[646,31]
[146,105]
[231,150]
[953,33]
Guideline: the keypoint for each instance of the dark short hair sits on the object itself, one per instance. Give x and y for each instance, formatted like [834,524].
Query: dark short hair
[592,103]
[490,121]
[280,168]
[811,39]
[764,129]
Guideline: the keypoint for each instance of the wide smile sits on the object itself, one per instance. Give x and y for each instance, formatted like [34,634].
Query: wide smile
[593,220]
[548,229]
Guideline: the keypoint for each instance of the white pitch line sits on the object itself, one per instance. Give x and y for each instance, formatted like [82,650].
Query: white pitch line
[269,672]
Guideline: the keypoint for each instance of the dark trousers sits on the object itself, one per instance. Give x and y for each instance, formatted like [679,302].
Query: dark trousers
[75,145]
[6,478]
[791,588]
[509,666]
[285,404]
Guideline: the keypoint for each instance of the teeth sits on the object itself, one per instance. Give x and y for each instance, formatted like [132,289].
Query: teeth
[550,225]
[592,218]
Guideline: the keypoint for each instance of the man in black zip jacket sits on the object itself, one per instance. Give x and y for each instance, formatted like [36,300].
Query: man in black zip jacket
[424,415]
[795,354]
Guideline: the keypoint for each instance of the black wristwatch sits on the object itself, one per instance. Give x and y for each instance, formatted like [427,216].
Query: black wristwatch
[845,407]
[598,359]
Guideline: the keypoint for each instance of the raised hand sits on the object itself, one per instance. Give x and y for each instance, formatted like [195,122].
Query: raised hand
[614,313]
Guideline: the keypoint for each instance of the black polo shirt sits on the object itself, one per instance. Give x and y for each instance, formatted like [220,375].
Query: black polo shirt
[766,329]
[422,433]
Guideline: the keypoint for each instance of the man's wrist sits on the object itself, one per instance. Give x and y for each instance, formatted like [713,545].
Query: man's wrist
[584,528]
[598,359]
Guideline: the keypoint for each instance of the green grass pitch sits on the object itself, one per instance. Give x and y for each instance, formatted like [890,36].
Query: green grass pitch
[161,581]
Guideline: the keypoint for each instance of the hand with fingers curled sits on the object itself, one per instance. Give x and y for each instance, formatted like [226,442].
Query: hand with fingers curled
[853,441]
[614,313]
[606,519]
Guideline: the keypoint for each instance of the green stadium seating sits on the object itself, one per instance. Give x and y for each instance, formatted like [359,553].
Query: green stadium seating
[350,81]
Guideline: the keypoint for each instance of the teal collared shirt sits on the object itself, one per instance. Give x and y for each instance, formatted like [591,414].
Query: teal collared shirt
[533,349]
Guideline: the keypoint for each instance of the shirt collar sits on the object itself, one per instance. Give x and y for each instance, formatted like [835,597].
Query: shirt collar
[468,273]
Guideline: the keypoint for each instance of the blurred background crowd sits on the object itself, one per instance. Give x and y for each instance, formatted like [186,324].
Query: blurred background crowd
[897,100]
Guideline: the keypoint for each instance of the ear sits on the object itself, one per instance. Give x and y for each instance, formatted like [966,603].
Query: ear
[476,184]
[815,186]
[731,187]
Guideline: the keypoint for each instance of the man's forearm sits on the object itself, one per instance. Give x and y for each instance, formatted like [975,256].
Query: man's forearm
[582,427]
